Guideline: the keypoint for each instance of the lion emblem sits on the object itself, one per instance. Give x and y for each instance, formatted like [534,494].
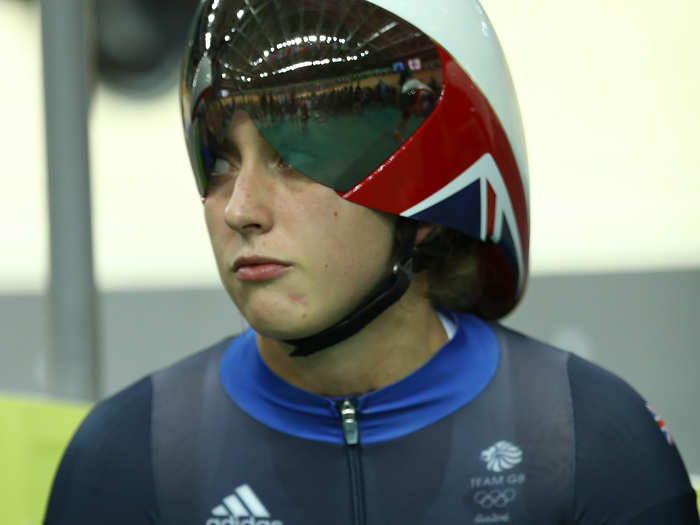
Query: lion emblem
[501,456]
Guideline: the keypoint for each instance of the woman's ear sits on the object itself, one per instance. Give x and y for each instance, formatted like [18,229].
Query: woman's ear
[423,231]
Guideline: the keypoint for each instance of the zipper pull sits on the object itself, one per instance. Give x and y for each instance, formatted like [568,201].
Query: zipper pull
[348,417]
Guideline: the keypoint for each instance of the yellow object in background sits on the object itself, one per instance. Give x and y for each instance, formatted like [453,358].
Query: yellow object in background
[33,435]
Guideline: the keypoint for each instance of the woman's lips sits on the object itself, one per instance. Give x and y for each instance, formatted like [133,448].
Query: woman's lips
[261,272]
[257,268]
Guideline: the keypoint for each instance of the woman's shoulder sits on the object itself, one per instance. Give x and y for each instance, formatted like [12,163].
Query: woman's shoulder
[109,459]
[626,466]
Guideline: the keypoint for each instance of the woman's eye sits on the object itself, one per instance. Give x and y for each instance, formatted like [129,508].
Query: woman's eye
[223,172]
[221,167]
[225,167]
[282,164]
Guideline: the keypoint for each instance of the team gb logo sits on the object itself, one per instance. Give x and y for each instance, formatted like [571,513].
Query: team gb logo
[502,456]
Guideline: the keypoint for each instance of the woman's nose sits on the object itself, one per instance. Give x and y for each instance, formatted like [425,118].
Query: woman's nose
[248,210]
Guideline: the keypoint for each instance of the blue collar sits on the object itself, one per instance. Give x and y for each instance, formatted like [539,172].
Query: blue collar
[455,375]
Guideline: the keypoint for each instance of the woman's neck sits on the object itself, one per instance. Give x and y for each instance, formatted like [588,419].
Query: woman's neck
[396,343]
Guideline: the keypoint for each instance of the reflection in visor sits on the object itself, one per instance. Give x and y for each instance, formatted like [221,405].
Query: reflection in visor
[335,86]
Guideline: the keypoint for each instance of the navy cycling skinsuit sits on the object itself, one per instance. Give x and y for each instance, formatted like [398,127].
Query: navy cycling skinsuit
[495,428]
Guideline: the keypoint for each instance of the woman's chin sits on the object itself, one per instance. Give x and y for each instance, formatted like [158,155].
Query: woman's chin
[281,331]
[283,328]
[287,317]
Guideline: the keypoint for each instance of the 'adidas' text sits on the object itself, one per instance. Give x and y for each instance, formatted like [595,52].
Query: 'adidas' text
[242,521]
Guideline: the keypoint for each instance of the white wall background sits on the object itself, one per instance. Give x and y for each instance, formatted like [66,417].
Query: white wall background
[609,95]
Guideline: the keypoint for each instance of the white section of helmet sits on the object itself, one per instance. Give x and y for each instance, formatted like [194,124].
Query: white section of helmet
[464,30]
[202,80]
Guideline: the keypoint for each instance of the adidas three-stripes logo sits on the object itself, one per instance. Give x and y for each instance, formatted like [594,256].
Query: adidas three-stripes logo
[241,508]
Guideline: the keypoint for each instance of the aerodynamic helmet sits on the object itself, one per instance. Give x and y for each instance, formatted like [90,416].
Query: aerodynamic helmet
[401,106]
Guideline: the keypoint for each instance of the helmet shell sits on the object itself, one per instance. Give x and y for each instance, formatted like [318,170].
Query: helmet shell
[464,166]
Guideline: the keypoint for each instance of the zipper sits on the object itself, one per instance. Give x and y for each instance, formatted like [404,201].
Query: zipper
[348,418]
[347,409]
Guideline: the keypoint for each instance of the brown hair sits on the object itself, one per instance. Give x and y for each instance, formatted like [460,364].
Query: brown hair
[452,262]
[464,274]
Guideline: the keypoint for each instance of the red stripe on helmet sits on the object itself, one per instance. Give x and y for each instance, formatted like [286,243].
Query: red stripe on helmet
[490,209]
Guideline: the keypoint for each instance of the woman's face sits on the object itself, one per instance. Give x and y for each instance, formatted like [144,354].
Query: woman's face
[293,255]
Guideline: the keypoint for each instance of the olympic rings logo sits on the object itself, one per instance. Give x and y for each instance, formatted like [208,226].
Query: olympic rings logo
[498,498]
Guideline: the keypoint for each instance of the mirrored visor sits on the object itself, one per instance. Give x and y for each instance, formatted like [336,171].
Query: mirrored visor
[334,86]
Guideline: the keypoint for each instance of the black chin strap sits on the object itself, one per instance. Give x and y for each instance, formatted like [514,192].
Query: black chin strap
[386,293]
